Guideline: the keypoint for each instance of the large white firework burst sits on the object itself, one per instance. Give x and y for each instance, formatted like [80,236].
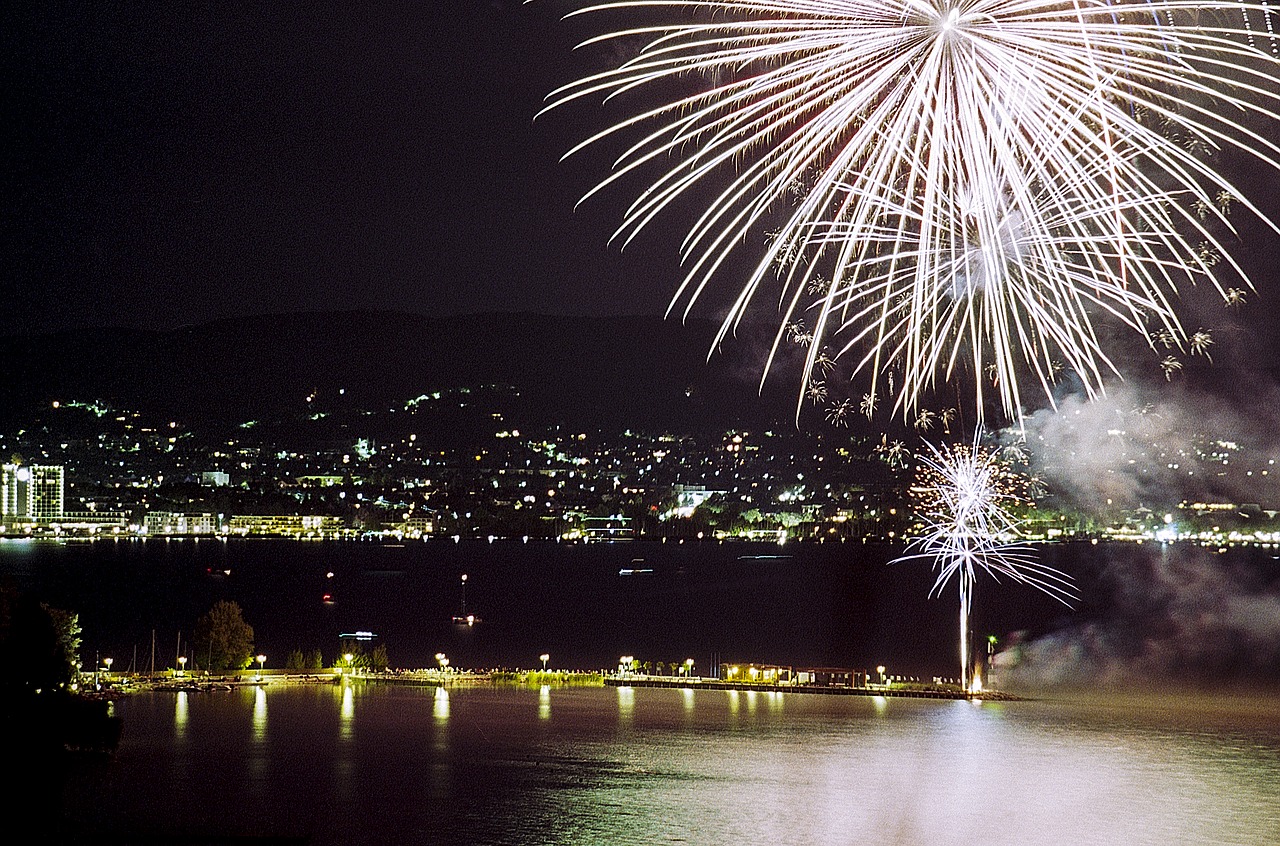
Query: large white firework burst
[964,496]
[980,180]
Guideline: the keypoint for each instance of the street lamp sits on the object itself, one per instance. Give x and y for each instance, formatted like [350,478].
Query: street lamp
[443,661]
[688,667]
[544,657]
[107,663]
[182,664]
[880,670]
[262,660]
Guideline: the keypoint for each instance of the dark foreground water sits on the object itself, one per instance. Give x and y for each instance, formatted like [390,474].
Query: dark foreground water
[375,764]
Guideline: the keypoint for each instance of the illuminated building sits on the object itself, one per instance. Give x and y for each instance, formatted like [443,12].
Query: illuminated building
[311,525]
[415,527]
[31,492]
[177,523]
[13,490]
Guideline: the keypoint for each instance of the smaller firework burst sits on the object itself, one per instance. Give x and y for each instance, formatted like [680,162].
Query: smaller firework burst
[964,497]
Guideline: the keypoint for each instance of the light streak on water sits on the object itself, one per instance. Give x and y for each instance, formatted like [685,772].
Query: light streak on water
[608,769]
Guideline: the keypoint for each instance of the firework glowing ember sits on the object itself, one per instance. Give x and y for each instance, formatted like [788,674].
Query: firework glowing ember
[944,186]
[964,494]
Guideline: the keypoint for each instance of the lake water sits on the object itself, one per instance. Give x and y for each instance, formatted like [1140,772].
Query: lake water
[1149,613]
[390,765]
[379,764]
[816,604]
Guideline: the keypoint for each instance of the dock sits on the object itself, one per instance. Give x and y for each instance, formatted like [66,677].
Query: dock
[828,689]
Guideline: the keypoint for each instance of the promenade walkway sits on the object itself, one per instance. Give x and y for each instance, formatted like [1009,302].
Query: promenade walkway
[834,690]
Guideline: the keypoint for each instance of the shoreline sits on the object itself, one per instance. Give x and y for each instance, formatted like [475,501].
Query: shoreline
[536,678]
[831,690]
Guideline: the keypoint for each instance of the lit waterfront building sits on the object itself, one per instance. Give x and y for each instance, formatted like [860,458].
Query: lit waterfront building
[179,523]
[91,523]
[32,493]
[13,487]
[291,525]
[415,527]
[214,479]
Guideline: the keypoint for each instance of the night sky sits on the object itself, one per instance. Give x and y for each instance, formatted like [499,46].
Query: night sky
[174,163]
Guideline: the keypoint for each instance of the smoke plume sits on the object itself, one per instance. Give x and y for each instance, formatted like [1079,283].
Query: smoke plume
[1157,447]
[1163,615]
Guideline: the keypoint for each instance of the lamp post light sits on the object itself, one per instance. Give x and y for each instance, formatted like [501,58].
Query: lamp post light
[688,667]
[262,660]
[443,661]
[106,662]
[544,658]
[182,664]
[880,670]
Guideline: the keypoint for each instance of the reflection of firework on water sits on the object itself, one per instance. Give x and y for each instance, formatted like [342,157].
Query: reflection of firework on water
[963,498]
[945,184]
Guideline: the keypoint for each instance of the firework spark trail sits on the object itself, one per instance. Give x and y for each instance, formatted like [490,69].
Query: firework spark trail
[978,179]
[964,494]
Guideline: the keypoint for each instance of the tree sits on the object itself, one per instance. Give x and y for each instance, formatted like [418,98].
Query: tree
[378,661]
[295,660]
[66,627]
[39,645]
[223,638]
[315,661]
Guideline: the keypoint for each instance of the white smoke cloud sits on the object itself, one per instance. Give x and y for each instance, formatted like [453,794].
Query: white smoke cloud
[1163,615]
[1158,447]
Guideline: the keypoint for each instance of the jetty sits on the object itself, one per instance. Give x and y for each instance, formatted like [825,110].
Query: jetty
[892,690]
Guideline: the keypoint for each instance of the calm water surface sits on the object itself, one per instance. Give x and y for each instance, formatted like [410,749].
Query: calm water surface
[389,765]
[809,604]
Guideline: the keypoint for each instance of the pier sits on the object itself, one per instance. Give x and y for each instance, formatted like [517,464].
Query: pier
[829,689]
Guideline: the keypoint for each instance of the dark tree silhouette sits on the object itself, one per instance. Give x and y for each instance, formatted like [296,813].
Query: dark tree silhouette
[223,639]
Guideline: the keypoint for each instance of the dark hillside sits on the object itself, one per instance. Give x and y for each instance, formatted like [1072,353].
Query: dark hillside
[622,371]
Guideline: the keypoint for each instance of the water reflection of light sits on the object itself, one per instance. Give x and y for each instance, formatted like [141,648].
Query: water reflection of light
[733,702]
[259,714]
[774,699]
[544,702]
[881,703]
[626,704]
[347,712]
[180,715]
[687,693]
[440,710]
[751,701]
